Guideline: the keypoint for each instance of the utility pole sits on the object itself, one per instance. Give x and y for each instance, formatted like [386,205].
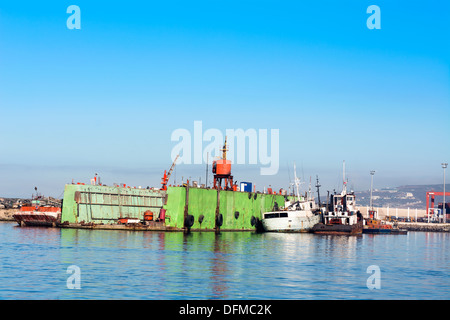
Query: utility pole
[444,166]
[371,188]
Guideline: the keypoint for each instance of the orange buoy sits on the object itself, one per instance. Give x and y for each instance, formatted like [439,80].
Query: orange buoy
[148,215]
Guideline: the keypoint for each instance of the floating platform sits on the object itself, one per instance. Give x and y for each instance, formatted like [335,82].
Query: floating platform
[174,209]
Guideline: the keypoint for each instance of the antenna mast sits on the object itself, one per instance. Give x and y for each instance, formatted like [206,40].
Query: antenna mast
[297,182]
[318,186]
[344,188]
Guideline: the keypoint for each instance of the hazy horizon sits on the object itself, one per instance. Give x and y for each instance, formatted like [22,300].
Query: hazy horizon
[152,178]
[106,98]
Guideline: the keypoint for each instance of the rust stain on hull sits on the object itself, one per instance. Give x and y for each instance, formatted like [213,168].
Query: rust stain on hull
[130,227]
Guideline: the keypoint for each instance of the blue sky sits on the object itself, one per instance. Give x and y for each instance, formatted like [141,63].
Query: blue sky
[107,97]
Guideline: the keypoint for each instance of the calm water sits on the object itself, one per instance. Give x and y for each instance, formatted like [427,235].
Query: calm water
[146,265]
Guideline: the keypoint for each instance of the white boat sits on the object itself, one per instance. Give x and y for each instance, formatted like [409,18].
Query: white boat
[299,216]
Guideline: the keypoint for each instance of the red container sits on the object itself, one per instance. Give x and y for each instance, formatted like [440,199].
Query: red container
[162,214]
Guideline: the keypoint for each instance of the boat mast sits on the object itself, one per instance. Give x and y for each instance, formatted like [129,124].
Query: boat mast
[318,186]
[297,182]
[291,185]
[309,189]
[344,186]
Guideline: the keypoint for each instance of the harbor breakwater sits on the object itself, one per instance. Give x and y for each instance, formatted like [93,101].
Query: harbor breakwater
[423,226]
[7,214]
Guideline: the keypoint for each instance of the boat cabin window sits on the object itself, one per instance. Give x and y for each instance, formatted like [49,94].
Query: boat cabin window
[337,200]
[271,215]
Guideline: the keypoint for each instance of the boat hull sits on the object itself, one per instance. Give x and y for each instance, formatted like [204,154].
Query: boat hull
[384,231]
[290,224]
[37,218]
[376,226]
[339,229]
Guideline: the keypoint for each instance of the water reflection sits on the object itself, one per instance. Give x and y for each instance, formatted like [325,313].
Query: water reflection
[219,268]
[230,265]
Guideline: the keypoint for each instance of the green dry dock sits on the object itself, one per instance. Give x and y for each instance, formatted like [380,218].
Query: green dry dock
[101,207]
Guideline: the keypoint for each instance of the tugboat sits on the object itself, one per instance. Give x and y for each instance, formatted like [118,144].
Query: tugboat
[299,216]
[373,225]
[341,216]
[38,213]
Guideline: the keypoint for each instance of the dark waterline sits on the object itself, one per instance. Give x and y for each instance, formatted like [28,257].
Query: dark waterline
[231,265]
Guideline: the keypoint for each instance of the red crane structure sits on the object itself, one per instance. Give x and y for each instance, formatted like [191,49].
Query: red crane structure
[430,207]
[165,178]
[222,171]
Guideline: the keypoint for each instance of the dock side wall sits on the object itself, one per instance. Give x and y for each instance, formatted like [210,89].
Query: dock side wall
[237,208]
[103,204]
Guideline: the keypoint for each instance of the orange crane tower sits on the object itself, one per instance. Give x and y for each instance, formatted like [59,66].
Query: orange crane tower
[222,171]
[165,178]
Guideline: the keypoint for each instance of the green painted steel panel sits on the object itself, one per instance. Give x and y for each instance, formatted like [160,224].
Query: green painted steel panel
[103,204]
[175,206]
[204,202]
